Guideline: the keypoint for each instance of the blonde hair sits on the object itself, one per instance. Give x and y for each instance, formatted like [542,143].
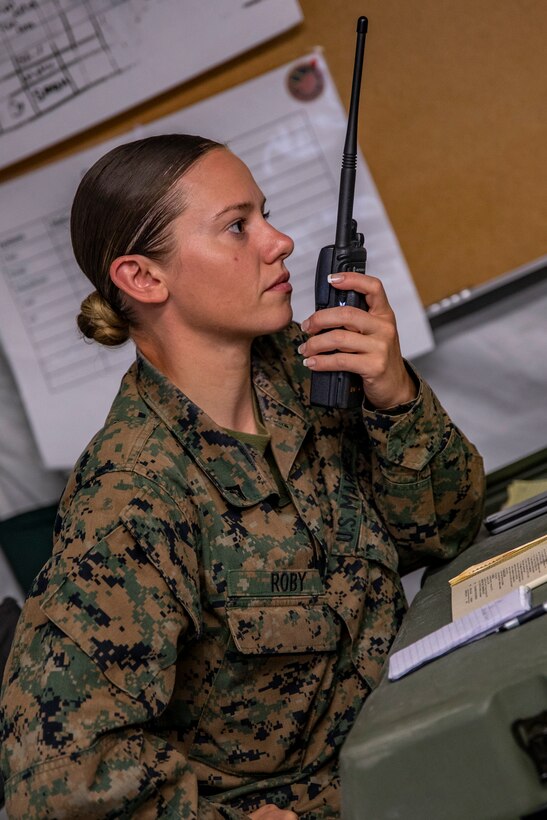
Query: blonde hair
[97,320]
[124,205]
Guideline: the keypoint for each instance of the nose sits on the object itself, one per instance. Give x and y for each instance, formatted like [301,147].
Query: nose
[279,245]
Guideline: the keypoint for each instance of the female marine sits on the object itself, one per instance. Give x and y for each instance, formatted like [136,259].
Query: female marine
[224,586]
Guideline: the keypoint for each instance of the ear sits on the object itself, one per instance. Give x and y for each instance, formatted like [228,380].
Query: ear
[139,278]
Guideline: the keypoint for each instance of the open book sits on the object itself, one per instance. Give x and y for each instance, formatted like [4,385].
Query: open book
[482,583]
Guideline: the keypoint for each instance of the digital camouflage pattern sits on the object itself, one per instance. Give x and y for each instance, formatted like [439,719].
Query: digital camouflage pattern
[193,649]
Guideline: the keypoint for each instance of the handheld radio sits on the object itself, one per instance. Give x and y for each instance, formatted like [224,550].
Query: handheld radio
[342,389]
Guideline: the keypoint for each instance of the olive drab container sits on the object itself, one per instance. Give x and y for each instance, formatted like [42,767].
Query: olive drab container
[465,736]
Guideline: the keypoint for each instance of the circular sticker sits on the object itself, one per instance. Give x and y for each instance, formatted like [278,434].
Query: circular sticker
[305,81]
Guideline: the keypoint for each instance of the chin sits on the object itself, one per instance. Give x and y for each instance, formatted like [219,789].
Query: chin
[283,320]
[273,322]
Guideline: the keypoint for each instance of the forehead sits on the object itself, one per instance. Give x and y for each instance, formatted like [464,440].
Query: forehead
[217,179]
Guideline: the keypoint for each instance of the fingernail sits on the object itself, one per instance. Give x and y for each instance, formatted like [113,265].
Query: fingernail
[301,348]
[308,362]
[335,277]
[305,324]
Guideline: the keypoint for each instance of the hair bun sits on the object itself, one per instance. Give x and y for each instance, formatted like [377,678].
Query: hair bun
[97,320]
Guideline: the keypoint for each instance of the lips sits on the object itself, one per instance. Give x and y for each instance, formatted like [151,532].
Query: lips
[281,283]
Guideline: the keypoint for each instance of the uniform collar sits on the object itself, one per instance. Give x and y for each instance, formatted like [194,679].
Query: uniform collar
[241,477]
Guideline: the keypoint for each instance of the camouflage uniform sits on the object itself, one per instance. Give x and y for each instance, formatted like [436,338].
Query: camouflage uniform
[193,649]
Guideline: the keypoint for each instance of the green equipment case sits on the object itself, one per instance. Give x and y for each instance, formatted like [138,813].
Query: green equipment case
[465,736]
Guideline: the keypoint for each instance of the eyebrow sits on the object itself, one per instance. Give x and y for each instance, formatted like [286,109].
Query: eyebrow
[240,207]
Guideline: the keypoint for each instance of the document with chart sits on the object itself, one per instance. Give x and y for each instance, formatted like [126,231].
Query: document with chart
[289,127]
[68,64]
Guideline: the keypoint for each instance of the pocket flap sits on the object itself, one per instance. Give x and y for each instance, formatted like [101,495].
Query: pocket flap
[282,624]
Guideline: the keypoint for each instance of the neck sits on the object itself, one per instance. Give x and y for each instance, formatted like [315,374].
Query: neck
[215,374]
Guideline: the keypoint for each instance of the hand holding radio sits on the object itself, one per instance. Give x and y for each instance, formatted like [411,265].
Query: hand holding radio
[361,342]
[354,346]
[332,388]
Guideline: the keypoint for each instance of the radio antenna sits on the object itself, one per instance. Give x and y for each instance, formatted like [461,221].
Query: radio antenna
[349,157]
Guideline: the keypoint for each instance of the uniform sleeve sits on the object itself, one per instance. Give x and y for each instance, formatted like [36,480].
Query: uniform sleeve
[94,661]
[427,480]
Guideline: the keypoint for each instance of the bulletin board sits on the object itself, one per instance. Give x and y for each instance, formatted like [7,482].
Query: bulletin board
[453,124]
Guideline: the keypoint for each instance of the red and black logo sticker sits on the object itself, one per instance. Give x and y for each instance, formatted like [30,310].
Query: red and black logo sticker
[305,81]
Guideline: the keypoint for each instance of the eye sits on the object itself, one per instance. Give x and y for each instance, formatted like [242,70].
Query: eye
[266,215]
[237,227]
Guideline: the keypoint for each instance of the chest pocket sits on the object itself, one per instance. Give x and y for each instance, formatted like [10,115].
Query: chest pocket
[282,611]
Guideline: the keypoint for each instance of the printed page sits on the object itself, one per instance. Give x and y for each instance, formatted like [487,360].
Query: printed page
[67,64]
[492,579]
[289,127]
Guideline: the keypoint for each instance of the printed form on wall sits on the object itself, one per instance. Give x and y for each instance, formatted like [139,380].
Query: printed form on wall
[66,65]
[289,127]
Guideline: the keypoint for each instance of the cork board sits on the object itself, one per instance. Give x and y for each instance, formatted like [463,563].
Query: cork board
[453,124]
